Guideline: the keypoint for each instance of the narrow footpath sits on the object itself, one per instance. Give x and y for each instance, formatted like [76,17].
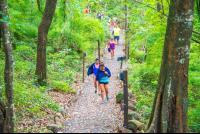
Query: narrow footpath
[88,115]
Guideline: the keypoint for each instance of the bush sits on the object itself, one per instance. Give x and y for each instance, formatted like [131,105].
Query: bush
[137,54]
[62,87]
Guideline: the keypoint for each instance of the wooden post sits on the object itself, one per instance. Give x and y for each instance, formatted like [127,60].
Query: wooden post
[125,99]
[83,66]
[99,50]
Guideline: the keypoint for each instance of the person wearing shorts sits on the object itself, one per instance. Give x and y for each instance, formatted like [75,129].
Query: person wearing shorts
[116,33]
[115,20]
[111,45]
[103,75]
[93,70]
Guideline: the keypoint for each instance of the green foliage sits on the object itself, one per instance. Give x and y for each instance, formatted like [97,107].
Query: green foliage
[119,97]
[62,87]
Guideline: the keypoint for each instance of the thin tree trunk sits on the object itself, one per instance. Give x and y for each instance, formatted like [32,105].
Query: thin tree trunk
[126,30]
[170,108]
[42,40]
[198,7]
[8,126]
[2,108]
[0,30]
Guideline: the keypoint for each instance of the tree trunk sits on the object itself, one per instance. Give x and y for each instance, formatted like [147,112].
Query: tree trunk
[2,108]
[170,108]
[158,6]
[42,40]
[8,126]
[198,7]
[0,29]
[126,30]
[39,5]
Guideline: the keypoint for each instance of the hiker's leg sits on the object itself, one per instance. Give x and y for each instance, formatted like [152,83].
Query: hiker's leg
[106,89]
[113,53]
[95,82]
[102,91]
[99,87]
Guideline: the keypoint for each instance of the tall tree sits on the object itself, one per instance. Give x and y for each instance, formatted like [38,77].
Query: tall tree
[7,111]
[42,40]
[198,7]
[170,108]
[126,30]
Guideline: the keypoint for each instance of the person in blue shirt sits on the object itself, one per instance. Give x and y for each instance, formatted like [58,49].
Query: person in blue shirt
[103,75]
[99,15]
[93,70]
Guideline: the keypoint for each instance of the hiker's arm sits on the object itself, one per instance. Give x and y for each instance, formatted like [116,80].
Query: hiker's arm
[108,44]
[107,73]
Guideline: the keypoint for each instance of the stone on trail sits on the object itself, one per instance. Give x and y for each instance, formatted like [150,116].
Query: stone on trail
[130,106]
[56,119]
[53,127]
[59,124]
[134,115]
[47,131]
[133,97]
[60,116]
[137,124]
[123,130]
[120,96]
[132,127]
[62,111]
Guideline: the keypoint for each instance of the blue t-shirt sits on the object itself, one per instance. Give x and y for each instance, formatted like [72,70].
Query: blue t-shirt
[104,79]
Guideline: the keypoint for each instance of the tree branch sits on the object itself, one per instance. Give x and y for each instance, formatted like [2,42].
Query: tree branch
[195,41]
[166,16]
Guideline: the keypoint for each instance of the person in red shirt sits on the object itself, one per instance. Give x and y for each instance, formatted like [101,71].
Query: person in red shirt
[86,11]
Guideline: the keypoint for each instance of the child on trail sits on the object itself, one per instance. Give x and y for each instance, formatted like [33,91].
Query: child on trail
[115,20]
[93,70]
[103,75]
[116,33]
[111,45]
[86,11]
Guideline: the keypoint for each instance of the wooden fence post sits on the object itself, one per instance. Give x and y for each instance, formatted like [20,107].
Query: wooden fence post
[99,50]
[125,77]
[83,66]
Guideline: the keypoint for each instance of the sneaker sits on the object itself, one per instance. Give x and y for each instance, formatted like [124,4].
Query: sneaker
[107,97]
[95,91]
[102,102]
[99,94]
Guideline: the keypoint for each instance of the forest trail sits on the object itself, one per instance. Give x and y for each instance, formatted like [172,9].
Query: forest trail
[88,115]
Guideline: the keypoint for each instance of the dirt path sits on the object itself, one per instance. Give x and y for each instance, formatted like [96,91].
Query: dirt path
[88,115]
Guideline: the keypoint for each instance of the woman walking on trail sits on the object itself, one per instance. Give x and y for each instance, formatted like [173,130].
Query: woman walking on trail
[103,75]
[111,45]
[93,70]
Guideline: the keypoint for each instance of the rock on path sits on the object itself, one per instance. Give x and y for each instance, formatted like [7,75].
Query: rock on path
[88,115]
